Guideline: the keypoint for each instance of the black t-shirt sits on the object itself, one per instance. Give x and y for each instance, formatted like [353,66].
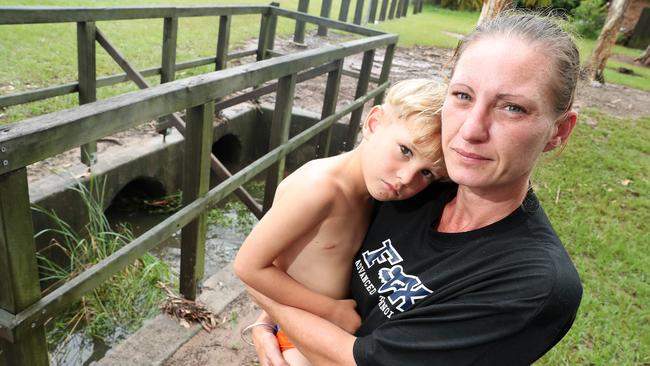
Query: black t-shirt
[500,295]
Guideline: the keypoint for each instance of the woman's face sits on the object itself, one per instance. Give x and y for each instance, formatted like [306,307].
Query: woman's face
[498,114]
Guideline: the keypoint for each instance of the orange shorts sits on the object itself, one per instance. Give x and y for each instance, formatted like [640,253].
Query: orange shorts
[284,341]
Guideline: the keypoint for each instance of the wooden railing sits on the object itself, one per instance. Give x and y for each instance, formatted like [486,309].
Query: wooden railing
[23,310]
[388,9]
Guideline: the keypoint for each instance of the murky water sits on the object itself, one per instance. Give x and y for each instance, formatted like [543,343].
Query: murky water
[221,246]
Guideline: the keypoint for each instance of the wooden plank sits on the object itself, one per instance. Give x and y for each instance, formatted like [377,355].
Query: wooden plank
[280,125]
[362,88]
[356,74]
[299,31]
[40,137]
[325,10]
[263,38]
[196,183]
[39,94]
[345,8]
[358,12]
[270,88]
[273,25]
[398,11]
[86,64]
[241,54]
[405,8]
[329,107]
[384,9]
[330,23]
[19,287]
[223,42]
[168,62]
[393,7]
[56,14]
[372,13]
[62,297]
[385,71]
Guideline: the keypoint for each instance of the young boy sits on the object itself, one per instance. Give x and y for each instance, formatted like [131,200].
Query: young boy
[300,253]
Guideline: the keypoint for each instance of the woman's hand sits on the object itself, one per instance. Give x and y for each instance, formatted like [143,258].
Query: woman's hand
[266,345]
[344,315]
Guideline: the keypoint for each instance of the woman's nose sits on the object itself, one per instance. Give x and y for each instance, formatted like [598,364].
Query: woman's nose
[475,125]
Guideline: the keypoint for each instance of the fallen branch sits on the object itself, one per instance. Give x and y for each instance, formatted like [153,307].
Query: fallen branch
[187,311]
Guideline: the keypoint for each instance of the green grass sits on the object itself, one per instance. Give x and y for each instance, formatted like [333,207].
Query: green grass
[596,193]
[118,306]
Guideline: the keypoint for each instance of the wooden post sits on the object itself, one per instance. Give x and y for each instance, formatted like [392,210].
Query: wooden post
[405,8]
[345,8]
[362,88]
[391,12]
[196,182]
[263,40]
[329,107]
[384,9]
[223,42]
[398,11]
[279,134]
[273,25]
[385,71]
[86,65]
[168,62]
[358,12]
[19,287]
[325,10]
[372,13]
[299,33]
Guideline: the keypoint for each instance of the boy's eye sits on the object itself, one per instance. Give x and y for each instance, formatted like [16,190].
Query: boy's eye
[426,173]
[405,150]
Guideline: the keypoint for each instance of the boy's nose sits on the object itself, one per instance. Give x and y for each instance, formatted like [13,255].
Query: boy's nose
[406,175]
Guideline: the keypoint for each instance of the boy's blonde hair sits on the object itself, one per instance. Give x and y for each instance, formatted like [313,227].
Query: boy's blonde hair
[418,102]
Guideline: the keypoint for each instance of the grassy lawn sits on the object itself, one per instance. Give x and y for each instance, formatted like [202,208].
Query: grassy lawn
[596,194]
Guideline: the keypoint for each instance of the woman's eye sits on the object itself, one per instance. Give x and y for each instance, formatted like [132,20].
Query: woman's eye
[462,96]
[515,108]
[405,150]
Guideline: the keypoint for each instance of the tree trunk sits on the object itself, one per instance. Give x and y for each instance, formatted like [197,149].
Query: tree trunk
[606,39]
[644,59]
[491,8]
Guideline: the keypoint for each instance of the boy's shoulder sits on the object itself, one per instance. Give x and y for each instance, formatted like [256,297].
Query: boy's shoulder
[314,178]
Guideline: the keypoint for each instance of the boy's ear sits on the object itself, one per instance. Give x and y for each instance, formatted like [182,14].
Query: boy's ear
[562,130]
[373,119]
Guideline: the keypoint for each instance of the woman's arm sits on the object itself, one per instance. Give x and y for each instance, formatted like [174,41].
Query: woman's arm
[293,216]
[266,344]
[322,342]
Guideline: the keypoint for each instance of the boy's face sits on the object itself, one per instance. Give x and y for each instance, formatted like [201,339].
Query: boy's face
[393,166]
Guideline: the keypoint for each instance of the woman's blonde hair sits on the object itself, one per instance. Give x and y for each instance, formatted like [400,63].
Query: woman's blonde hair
[418,102]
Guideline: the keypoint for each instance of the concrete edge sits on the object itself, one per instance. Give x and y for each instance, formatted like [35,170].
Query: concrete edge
[159,338]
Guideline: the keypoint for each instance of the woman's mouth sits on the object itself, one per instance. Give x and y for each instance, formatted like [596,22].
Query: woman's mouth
[469,156]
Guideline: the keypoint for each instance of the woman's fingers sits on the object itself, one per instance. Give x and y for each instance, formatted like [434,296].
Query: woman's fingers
[267,348]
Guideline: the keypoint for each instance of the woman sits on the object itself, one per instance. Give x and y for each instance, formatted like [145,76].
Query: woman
[469,272]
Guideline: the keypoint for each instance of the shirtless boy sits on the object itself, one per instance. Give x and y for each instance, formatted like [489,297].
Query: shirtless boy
[300,253]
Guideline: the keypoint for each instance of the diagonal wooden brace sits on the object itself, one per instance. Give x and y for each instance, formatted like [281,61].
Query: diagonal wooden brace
[217,167]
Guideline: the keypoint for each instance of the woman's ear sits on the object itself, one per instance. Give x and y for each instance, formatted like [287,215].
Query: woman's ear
[562,130]
[373,119]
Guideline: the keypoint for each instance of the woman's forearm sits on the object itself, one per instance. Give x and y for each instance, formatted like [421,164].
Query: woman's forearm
[322,342]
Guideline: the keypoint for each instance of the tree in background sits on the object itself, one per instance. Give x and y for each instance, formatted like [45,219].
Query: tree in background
[603,49]
[644,59]
[589,18]
[493,7]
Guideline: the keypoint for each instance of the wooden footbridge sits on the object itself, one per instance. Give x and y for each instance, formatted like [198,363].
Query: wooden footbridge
[23,308]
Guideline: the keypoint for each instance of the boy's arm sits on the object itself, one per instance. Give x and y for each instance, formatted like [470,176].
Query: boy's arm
[305,204]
